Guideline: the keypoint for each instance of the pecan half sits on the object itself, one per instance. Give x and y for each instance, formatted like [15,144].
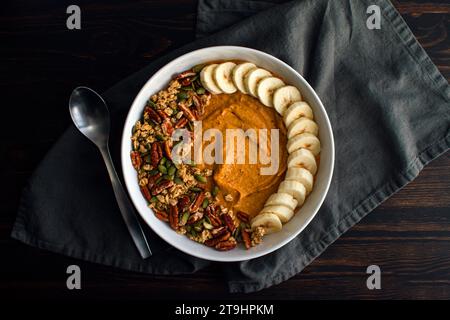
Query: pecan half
[152,180]
[243,216]
[167,127]
[226,245]
[162,114]
[246,238]
[185,74]
[161,215]
[183,203]
[167,144]
[146,193]
[213,241]
[165,184]
[173,217]
[186,81]
[193,218]
[136,159]
[155,154]
[198,201]
[152,114]
[181,123]
[198,104]
[187,112]
[229,222]
[215,220]
[217,232]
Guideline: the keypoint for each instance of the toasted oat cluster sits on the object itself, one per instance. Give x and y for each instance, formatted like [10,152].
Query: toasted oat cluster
[178,193]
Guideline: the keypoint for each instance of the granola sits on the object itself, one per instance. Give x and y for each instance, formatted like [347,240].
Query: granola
[178,193]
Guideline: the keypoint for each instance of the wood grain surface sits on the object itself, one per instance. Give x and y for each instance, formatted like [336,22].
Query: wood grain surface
[41,62]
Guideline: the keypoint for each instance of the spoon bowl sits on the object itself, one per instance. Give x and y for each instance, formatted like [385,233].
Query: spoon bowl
[90,114]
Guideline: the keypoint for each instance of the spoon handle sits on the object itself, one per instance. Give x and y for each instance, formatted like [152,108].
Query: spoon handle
[126,207]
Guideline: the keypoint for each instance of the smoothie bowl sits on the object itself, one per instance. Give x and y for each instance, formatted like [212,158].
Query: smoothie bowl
[227,153]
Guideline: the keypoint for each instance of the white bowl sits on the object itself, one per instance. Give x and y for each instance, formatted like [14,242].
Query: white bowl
[304,215]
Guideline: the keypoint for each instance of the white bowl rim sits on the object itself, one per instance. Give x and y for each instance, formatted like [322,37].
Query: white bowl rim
[125,152]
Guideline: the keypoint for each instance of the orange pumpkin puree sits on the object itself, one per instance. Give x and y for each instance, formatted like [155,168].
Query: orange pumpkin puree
[248,188]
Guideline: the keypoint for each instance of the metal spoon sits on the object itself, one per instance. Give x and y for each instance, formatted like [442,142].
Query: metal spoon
[91,116]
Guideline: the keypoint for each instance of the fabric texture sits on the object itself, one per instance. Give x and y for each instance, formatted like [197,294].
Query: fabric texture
[388,105]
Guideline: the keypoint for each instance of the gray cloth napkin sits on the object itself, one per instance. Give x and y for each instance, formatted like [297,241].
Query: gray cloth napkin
[388,104]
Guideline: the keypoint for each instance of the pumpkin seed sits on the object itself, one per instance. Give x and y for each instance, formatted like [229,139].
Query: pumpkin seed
[184,219]
[162,169]
[182,95]
[215,191]
[200,178]
[151,103]
[200,90]
[205,203]
[177,180]
[207,225]
[195,189]
[198,68]
[171,170]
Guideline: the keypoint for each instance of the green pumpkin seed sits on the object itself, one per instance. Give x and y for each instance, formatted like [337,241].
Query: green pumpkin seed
[205,203]
[154,199]
[215,191]
[195,189]
[151,103]
[182,95]
[162,169]
[159,137]
[200,178]
[171,170]
[200,90]
[198,68]
[184,219]
[177,180]
[207,225]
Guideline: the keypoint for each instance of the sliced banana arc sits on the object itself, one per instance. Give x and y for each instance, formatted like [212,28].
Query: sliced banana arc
[265,89]
[302,125]
[207,79]
[282,199]
[303,158]
[252,78]
[239,73]
[223,77]
[282,212]
[284,96]
[269,221]
[301,175]
[304,140]
[295,189]
[297,110]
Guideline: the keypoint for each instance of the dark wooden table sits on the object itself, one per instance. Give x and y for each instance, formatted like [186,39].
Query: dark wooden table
[41,62]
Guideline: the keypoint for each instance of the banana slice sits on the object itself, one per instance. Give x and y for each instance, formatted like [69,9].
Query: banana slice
[269,221]
[207,79]
[303,158]
[239,73]
[284,96]
[301,175]
[282,199]
[223,76]
[302,125]
[295,189]
[252,78]
[283,213]
[265,89]
[297,110]
[304,140]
